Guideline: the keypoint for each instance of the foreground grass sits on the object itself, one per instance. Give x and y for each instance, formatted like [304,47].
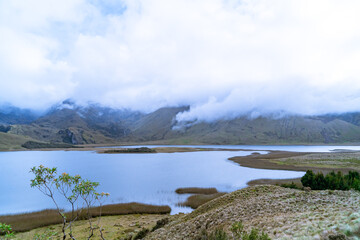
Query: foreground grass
[29,221]
[280,212]
[115,227]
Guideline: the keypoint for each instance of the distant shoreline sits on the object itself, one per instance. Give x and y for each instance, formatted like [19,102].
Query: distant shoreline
[94,147]
[281,160]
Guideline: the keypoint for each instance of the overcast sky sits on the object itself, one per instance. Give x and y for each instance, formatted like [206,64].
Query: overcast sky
[221,57]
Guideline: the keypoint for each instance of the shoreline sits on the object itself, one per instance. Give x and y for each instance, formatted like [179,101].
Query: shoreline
[271,161]
[94,147]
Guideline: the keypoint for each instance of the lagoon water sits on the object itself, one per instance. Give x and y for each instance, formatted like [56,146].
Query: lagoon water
[145,178]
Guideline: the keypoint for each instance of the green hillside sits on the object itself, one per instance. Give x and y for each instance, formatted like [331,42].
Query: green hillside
[11,141]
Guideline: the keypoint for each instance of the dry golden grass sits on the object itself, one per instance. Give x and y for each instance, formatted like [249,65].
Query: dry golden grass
[28,221]
[115,227]
[195,201]
[195,190]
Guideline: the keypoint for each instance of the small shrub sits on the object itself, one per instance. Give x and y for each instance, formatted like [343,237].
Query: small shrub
[6,230]
[160,223]
[237,229]
[47,235]
[291,185]
[238,233]
[140,235]
[218,234]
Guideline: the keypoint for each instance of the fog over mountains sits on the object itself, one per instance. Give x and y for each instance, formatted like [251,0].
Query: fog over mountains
[70,123]
[225,59]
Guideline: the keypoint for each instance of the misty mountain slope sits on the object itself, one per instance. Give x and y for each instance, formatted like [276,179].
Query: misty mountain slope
[69,123]
[73,124]
[266,130]
[156,125]
[111,123]
[353,117]
[58,126]
[13,115]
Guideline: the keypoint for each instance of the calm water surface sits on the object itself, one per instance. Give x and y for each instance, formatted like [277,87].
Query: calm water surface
[146,178]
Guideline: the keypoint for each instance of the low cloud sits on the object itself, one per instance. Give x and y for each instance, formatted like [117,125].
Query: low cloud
[223,58]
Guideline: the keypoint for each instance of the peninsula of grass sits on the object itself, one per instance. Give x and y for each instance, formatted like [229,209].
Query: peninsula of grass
[196,190]
[302,161]
[130,150]
[325,162]
[28,221]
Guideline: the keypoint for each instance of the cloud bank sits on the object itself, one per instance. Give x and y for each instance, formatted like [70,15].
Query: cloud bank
[224,58]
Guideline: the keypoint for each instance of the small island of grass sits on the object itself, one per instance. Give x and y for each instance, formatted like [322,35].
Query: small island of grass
[43,145]
[130,150]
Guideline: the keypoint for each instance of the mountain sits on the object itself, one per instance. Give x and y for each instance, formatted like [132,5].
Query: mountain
[94,124]
[14,115]
[70,123]
[262,130]
[156,125]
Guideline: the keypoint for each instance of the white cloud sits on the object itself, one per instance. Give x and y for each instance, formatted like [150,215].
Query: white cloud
[222,57]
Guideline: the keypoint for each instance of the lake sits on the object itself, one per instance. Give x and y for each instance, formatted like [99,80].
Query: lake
[145,178]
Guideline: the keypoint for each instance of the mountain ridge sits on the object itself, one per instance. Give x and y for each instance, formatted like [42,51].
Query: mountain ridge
[94,124]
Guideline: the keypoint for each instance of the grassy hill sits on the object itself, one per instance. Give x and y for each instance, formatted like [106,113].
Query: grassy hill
[293,129]
[12,142]
[280,212]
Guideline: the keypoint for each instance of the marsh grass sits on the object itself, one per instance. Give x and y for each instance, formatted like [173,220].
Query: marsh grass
[196,200]
[27,221]
[130,150]
[39,145]
[195,190]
